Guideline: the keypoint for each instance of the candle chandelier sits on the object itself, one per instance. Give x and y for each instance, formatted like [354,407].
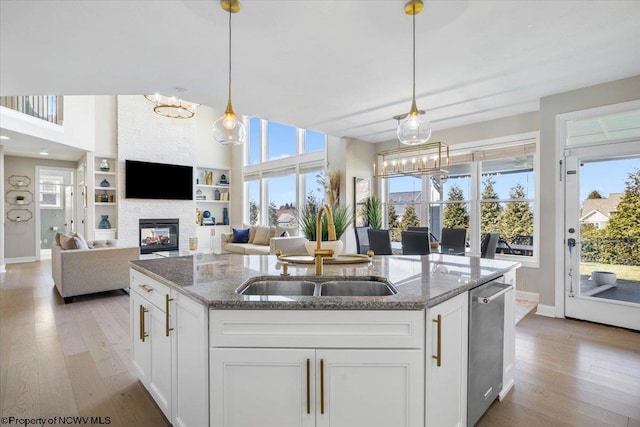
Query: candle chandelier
[423,159]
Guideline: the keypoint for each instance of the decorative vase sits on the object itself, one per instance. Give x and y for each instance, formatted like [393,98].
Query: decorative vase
[225,216]
[104,222]
[216,194]
[336,245]
[105,183]
[104,165]
[104,198]
[193,243]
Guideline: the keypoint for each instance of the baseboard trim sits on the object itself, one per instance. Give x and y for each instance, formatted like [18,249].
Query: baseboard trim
[546,310]
[529,296]
[20,259]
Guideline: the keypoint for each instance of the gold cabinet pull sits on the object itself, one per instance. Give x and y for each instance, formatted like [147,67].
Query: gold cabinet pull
[308,386]
[146,288]
[322,386]
[143,334]
[166,313]
[439,342]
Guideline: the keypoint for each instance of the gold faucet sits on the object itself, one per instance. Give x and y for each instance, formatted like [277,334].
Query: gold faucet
[319,253]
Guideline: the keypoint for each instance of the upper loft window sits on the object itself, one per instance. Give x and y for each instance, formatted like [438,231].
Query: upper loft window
[273,141]
[281,141]
[604,128]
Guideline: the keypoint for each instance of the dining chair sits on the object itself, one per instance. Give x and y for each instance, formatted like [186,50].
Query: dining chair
[415,243]
[362,239]
[453,240]
[380,242]
[432,238]
[489,244]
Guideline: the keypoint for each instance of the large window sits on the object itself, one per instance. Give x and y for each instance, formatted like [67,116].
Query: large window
[283,165]
[489,187]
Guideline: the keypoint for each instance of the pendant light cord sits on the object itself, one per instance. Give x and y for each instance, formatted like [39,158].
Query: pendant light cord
[230,52]
[414,52]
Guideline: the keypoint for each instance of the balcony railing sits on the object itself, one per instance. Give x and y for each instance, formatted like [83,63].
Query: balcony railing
[47,108]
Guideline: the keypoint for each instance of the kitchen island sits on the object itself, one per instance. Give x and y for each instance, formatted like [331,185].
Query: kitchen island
[210,356]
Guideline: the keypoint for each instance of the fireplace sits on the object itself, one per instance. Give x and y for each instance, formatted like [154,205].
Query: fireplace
[158,235]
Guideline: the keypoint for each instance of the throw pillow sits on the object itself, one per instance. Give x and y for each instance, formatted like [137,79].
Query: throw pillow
[262,236]
[80,241]
[68,242]
[57,239]
[285,234]
[240,235]
[252,233]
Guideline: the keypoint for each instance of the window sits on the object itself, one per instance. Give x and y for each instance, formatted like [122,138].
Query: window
[50,192]
[314,141]
[489,187]
[283,165]
[281,141]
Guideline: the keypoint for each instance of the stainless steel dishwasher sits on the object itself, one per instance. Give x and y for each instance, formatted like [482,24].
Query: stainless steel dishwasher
[486,343]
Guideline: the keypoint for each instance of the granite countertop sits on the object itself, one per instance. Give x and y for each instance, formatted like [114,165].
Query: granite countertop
[421,281]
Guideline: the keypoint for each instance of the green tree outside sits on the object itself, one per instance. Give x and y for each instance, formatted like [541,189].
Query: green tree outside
[273,215]
[595,194]
[409,219]
[625,221]
[392,223]
[517,218]
[490,213]
[253,213]
[455,214]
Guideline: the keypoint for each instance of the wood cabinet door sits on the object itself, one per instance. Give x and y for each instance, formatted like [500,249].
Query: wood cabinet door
[446,385]
[369,388]
[262,387]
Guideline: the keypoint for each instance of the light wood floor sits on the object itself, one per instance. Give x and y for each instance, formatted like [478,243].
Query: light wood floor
[66,360]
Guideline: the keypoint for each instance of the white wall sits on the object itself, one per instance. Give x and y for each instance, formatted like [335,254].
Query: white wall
[106,131]
[146,136]
[581,99]
[2,210]
[20,237]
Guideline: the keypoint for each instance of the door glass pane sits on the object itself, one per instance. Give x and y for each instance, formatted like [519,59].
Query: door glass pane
[610,230]
[281,194]
[281,141]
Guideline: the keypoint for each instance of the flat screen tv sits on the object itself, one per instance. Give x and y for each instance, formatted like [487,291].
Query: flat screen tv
[144,180]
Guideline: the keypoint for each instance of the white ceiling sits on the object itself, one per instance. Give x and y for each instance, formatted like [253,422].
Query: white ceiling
[339,67]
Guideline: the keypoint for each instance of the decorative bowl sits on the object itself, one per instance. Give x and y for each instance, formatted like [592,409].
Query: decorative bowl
[601,278]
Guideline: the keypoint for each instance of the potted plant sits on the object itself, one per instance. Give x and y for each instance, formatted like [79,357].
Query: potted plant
[307,215]
[373,212]
[19,200]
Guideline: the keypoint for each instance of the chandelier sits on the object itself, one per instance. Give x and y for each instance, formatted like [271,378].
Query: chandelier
[172,107]
[423,159]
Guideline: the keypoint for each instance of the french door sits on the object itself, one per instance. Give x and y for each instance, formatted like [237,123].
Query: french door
[602,272]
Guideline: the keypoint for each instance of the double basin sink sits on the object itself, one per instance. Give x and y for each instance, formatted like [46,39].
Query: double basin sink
[322,286]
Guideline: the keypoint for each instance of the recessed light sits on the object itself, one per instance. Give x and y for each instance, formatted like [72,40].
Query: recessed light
[44,152]
[4,137]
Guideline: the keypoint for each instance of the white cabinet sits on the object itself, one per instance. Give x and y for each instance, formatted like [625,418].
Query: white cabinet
[316,368]
[446,362]
[316,387]
[169,350]
[262,387]
[373,388]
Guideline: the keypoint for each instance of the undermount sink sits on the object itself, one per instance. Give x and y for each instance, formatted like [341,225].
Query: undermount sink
[356,288]
[322,286]
[278,287]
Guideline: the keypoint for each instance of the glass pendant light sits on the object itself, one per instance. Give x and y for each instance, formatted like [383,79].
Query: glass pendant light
[230,129]
[414,127]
